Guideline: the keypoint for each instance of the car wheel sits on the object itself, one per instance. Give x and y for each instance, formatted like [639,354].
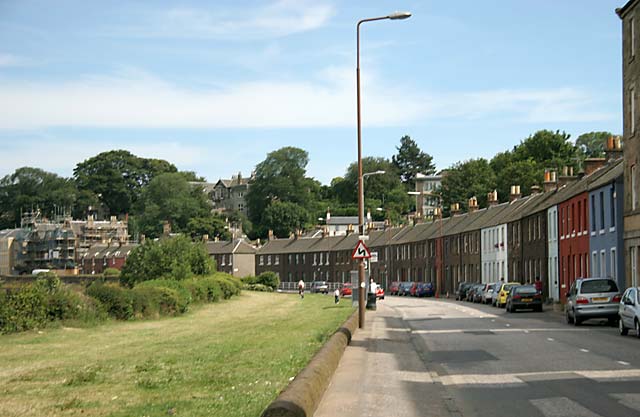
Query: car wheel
[569,318]
[637,323]
[622,328]
[576,320]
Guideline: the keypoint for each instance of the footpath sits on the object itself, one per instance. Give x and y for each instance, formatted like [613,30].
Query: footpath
[382,374]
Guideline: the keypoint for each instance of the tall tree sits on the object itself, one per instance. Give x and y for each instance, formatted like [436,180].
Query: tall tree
[285,217]
[410,161]
[117,178]
[281,177]
[32,188]
[169,197]
[592,144]
[548,149]
[465,180]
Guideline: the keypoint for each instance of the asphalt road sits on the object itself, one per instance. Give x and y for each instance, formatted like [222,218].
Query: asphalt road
[492,363]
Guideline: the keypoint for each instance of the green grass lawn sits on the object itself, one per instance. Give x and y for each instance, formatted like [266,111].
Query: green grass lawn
[226,359]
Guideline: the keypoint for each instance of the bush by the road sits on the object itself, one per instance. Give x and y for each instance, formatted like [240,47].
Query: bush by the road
[267,278]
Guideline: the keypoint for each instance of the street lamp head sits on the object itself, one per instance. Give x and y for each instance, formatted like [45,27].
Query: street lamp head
[414,192]
[399,15]
[380,172]
[379,209]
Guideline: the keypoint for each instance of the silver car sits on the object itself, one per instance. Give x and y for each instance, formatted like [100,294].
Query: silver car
[629,311]
[591,298]
[488,292]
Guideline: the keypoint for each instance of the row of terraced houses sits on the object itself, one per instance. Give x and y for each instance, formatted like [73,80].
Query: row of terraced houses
[574,226]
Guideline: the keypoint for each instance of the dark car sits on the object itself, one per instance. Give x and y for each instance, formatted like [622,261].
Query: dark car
[404,288]
[473,292]
[461,294]
[478,293]
[524,296]
[393,288]
[425,289]
[319,286]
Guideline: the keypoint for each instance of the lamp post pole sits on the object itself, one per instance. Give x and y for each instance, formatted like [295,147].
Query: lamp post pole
[361,283]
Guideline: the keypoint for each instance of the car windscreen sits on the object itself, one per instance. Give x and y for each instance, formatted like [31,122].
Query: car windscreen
[598,285]
[526,290]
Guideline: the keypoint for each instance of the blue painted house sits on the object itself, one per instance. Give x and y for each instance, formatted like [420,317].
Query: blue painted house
[606,245]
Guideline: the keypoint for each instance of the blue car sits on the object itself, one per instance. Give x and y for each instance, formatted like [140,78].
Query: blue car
[425,289]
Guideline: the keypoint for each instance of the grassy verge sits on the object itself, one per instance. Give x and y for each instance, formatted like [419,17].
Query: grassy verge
[226,359]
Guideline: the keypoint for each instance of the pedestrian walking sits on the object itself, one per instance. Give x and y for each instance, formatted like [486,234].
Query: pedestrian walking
[538,285]
[336,294]
[301,288]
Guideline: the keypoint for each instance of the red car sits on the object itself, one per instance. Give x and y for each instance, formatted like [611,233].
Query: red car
[414,289]
[393,288]
[380,293]
[346,289]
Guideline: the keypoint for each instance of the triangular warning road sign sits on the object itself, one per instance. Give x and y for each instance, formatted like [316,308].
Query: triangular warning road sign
[361,251]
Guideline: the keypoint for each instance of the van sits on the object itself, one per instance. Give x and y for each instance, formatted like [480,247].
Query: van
[39,271]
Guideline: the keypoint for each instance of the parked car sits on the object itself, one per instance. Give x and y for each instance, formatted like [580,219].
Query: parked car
[404,288]
[488,292]
[501,298]
[346,290]
[590,298]
[425,289]
[629,311]
[380,293]
[478,293]
[319,286]
[413,291]
[393,288]
[524,296]
[461,294]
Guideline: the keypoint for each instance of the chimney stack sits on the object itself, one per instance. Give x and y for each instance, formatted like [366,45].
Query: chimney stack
[455,209]
[166,228]
[593,164]
[613,149]
[205,238]
[349,229]
[270,235]
[566,177]
[515,193]
[535,189]
[473,204]
[492,198]
[550,180]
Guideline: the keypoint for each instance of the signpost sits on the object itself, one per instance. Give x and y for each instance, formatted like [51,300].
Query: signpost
[360,253]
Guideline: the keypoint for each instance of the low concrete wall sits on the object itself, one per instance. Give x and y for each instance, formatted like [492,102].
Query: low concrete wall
[302,396]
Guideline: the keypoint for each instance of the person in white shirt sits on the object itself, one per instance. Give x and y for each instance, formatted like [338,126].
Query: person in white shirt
[301,288]
[336,294]
[373,287]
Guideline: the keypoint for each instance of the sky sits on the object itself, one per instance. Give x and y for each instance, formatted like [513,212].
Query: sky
[214,86]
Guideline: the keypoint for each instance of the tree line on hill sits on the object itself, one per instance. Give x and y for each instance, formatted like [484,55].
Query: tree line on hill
[281,197]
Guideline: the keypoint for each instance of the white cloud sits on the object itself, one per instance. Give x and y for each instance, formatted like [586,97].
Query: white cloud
[282,18]
[136,99]
[8,60]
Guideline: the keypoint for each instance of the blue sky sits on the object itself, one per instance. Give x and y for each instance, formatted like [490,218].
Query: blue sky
[214,86]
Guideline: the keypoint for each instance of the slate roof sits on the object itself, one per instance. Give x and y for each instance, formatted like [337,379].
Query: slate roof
[228,247]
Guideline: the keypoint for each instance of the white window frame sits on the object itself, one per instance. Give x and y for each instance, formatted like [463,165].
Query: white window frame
[614,264]
[603,263]
[594,261]
[632,36]
[632,109]
[634,183]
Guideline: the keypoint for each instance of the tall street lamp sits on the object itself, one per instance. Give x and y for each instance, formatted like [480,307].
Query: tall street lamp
[361,295]
[364,177]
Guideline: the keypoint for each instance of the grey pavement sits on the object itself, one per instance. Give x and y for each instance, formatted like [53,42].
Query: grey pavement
[426,357]
[382,374]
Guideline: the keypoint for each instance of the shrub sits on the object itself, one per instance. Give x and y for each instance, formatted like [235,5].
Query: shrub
[204,289]
[111,272]
[230,286]
[178,299]
[64,305]
[257,287]
[23,309]
[269,279]
[117,301]
[146,302]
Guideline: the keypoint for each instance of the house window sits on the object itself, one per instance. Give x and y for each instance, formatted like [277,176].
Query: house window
[594,261]
[603,264]
[276,260]
[290,259]
[634,184]
[614,264]
[297,258]
[223,263]
[268,259]
[230,260]
[261,259]
[326,258]
[315,258]
[593,213]
[632,110]
[632,37]
[633,254]
[612,206]
[601,210]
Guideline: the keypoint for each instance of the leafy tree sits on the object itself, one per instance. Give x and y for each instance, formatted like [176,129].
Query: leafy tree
[32,188]
[281,177]
[117,178]
[284,218]
[524,173]
[410,161]
[169,197]
[212,225]
[592,144]
[172,258]
[465,180]
[548,149]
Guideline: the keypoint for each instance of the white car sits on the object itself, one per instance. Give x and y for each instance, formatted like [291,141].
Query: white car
[629,311]
[488,293]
